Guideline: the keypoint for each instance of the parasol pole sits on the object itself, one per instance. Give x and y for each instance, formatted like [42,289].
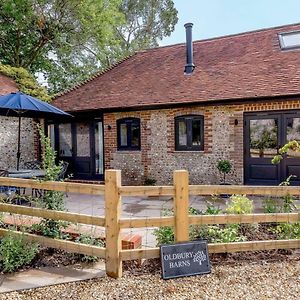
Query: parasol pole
[19,141]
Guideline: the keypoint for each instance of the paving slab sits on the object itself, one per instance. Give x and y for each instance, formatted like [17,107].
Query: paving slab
[47,276]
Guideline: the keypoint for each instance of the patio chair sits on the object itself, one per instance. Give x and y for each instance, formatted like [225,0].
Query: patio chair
[33,165]
[7,190]
[4,173]
[63,171]
[40,193]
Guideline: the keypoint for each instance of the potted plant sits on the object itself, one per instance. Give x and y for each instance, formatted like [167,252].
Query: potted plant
[150,182]
[224,166]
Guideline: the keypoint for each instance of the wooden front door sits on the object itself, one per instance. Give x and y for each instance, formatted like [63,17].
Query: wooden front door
[82,150]
[264,134]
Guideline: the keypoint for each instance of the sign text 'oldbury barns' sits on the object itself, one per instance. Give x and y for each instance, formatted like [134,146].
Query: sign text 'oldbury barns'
[184,259]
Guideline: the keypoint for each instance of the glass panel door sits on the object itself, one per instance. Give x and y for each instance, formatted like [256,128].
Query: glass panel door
[291,161]
[265,134]
[81,144]
[83,164]
[293,133]
[262,140]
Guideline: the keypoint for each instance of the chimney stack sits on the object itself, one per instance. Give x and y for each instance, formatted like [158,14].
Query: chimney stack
[189,67]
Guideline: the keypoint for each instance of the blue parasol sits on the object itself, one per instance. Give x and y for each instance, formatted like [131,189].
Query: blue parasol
[22,105]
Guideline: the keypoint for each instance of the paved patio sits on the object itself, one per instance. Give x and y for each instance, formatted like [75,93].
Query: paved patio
[140,207]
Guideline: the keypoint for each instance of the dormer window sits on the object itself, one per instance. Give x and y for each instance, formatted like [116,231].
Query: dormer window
[289,40]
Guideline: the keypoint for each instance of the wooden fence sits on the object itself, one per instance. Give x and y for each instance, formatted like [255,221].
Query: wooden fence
[113,223]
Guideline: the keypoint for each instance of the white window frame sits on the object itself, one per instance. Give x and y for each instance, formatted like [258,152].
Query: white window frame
[283,46]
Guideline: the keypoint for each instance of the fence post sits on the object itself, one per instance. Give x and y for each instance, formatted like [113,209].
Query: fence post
[112,225]
[181,205]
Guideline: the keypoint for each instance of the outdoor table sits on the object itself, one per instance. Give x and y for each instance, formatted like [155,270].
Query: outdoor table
[26,174]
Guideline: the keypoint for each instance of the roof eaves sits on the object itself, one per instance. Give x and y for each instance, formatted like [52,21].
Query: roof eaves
[215,101]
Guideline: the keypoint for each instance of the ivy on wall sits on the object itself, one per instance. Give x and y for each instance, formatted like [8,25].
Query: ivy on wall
[26,82]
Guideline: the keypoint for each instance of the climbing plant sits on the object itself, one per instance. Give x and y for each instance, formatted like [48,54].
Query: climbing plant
[290,146]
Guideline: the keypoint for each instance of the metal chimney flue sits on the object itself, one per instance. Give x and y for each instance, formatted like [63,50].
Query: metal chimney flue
[189,67]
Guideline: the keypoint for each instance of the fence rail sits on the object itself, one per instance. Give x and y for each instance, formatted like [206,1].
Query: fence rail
[52,214]
[67,187]
[113,192]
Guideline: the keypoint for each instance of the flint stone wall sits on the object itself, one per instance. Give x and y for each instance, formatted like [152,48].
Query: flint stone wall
[9,133]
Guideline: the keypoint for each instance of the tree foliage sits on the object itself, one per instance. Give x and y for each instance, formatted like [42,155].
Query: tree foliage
[68,40]
[25,81]
[147,22]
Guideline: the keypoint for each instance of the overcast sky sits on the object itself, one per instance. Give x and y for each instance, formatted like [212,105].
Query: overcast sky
[214,18]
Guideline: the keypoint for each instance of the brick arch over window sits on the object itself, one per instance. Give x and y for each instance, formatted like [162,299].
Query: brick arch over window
[189,133]
[129,134]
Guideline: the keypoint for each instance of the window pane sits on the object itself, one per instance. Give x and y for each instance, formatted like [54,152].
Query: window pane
[123,134]
[182,134]
[196,132]
[293,133]
[263,138]
[290,40]
[99,148]
[135,135]
[51,135]
[65,140]
[83,139]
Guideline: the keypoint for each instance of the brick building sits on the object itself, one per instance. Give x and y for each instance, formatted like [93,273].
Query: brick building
[147,117]
[9,133]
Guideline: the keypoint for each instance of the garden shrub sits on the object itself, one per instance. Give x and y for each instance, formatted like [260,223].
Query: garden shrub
[229,234]
[50,228]
[211,233]
[224,166]
[271,206]
[284,205]
[149,181]
[211,207]
[288,231]
[89,240]
[16,252]
[165,234]
[240,204]
[288,204]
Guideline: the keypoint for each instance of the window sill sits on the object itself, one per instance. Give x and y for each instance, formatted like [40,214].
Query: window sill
[129,151]
[189,151]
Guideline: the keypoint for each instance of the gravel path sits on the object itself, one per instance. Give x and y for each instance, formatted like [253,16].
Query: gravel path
[244,281]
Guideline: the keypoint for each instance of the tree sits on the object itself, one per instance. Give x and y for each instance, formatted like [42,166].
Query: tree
[36,34]
[147,22]
[25,81]
[68,40]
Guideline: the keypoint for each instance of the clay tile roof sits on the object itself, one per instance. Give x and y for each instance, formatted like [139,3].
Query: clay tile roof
[246,65]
